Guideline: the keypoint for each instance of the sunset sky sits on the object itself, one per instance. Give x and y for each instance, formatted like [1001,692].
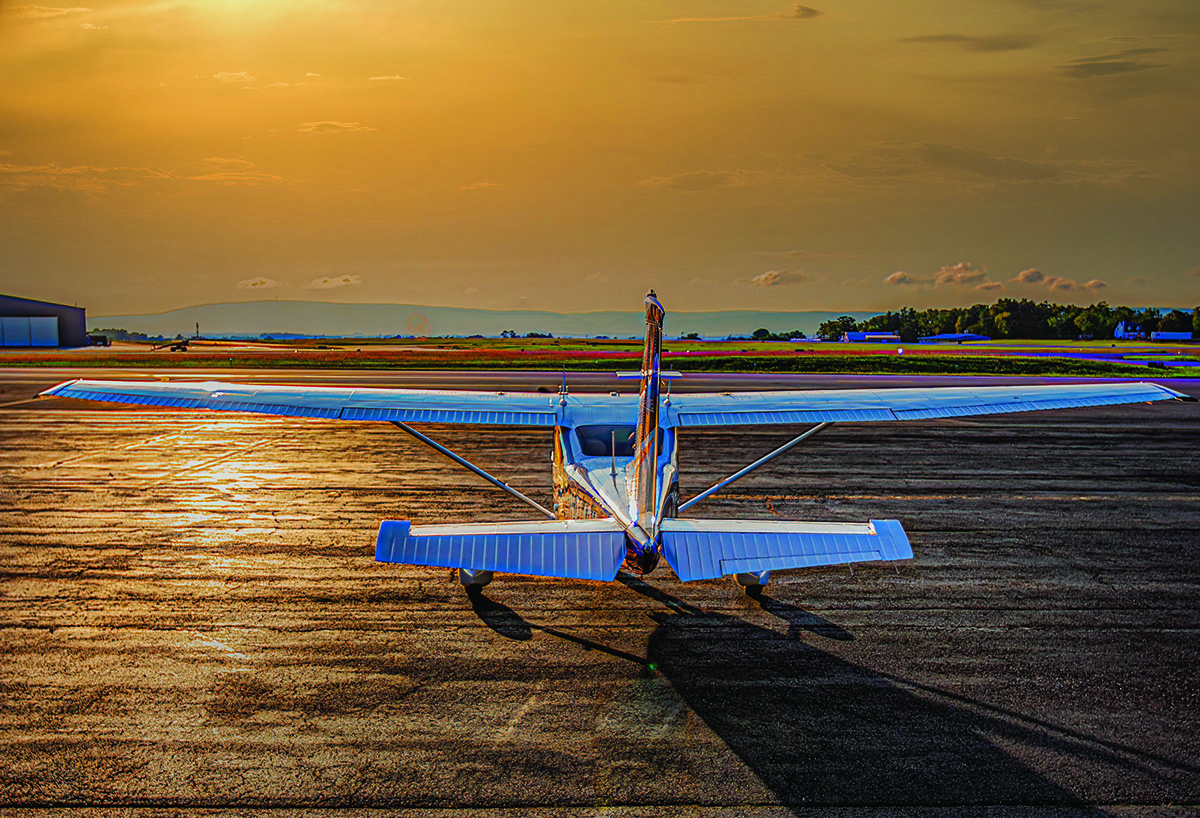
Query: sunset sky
[566,155]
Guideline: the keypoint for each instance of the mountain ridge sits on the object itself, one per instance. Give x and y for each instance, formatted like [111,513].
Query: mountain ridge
[349,320]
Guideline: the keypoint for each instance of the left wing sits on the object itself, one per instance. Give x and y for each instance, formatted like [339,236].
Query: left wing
[865,405]
[406,405]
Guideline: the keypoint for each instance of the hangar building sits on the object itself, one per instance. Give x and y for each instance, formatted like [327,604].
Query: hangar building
[28,323]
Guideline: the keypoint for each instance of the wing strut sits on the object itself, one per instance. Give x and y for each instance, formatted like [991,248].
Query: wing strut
[761,461]
[467,464]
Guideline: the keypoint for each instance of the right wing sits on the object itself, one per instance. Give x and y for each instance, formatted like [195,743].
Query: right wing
[867,405]
[405,405]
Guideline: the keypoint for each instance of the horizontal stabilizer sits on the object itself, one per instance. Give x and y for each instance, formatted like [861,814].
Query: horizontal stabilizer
[576,549]
[669,374]
[707,549]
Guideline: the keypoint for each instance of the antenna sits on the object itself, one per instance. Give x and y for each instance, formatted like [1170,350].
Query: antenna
[562,391]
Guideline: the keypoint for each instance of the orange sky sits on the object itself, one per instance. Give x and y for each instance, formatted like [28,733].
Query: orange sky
[568,155]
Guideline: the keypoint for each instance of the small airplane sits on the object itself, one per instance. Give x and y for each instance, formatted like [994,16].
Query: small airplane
[616,482]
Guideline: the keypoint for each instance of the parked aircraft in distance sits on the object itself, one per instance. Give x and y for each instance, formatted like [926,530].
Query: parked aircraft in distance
[616,484]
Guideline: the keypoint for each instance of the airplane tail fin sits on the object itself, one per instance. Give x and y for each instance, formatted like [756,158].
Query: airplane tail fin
[573,549]
[643,491]
[708,549]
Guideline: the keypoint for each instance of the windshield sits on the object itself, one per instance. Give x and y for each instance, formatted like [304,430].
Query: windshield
[597,441]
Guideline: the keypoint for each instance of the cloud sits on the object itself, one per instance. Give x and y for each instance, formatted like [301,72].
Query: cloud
[471,291]
[225,161]
[390,77]
[87,179]
[1105,65]
[811,254]
[481,185]
[774,278]
[961,273]
[982,164]
[1193,273]
[1060,283]
[1070,285]
[330,282]
[233,171]
[90,27]
[796,12]
[236,177]
[259,283]
[42,12]
[1056,283]
[329,126]
[699,180]
[233,76]
[995,42]
[951,275]
[311,74]
[597,277]
[886,161]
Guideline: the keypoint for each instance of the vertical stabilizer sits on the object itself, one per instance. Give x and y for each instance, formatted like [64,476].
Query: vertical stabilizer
[643,489]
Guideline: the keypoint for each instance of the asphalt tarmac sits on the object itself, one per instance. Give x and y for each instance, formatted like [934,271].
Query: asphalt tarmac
[192,621]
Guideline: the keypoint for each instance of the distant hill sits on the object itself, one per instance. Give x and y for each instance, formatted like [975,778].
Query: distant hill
[249,319]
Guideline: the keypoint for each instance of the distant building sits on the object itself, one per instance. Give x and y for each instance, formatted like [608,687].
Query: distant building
[1170,336]
[28,323]
[1128,332]
[870,337]
[953,338]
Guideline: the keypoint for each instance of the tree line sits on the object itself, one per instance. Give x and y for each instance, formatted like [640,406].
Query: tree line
[1010,318]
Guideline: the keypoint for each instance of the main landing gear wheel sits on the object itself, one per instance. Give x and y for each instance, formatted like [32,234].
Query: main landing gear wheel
[473,578]
[753,583]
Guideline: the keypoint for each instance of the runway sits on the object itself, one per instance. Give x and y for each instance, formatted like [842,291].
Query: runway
[192,620]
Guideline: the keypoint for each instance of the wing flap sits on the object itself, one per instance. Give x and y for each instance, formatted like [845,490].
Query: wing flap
[572,549]
[783,415]
[707,549]
[496,418]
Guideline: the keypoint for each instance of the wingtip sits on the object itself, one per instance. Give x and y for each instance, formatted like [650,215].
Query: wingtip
[53,391]
[1177,395]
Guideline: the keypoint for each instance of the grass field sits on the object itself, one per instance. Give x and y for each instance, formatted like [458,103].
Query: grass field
[1094,359]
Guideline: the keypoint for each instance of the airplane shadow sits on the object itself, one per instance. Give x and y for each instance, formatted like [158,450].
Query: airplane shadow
[509,624]
[499,617]
[819,730]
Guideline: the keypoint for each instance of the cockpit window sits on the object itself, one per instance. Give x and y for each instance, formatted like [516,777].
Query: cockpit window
[597,441]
